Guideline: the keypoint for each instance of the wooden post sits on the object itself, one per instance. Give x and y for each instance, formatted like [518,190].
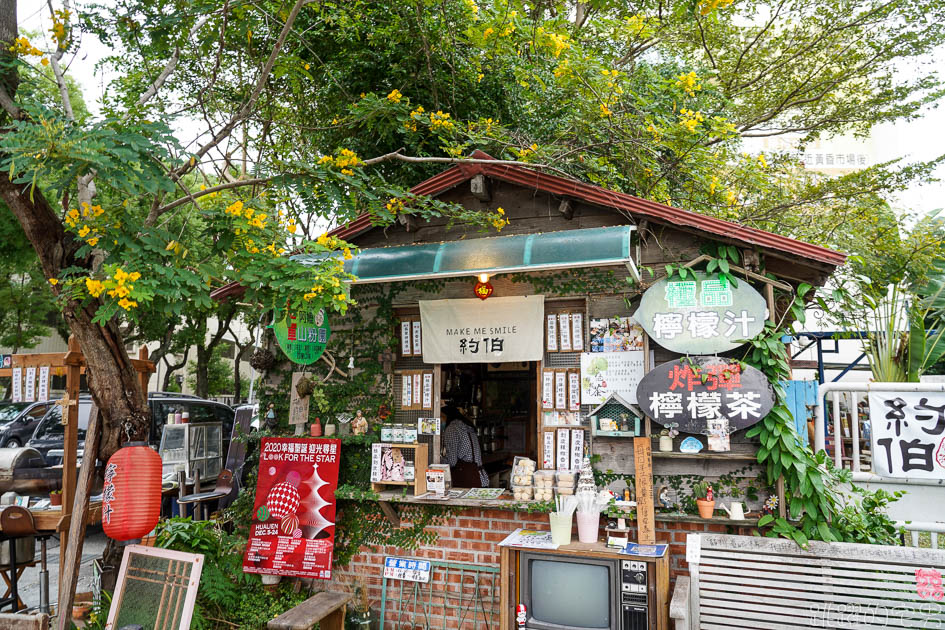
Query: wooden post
[643,465]
[143,375]
[70,447]
[71,554]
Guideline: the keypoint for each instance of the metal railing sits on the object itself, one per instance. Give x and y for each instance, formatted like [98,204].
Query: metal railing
[914,531]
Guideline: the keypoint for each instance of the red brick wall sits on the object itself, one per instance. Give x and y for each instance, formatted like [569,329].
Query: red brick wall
[472,537]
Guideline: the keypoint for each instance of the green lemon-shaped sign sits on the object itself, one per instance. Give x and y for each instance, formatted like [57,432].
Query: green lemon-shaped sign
[262,513]
[302,335]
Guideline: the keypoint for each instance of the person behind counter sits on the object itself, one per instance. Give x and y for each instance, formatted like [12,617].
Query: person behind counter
[463,453]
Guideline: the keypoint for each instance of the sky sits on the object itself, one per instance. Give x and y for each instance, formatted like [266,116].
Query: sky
[921,139]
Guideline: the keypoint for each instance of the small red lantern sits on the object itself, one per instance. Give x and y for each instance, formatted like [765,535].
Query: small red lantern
[131,496]
[483,289]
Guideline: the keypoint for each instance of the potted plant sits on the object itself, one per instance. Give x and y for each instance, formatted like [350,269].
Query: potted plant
[705,500]
[55,497]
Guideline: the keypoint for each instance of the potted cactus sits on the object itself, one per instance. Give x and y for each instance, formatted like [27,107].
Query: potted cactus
[55,497]
[705,500]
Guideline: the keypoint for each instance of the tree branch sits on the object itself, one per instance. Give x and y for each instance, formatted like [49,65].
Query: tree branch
[247,107]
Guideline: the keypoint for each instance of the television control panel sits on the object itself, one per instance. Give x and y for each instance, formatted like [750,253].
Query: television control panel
[633,595]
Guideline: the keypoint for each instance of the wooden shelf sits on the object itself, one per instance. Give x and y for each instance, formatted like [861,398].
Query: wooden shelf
[419,482]
[741,457]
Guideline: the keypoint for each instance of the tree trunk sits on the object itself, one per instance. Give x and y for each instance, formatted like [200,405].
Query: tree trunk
[171,368]
[111,377]
[202,385]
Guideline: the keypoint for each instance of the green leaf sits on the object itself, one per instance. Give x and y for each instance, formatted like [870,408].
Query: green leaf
[723,265]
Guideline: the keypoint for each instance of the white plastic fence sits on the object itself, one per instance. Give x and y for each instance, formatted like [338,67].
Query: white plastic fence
[922,510]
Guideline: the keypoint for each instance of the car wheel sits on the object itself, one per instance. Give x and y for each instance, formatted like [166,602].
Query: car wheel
[12,443]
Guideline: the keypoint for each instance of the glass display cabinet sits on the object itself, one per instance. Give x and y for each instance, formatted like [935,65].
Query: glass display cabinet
[191,447]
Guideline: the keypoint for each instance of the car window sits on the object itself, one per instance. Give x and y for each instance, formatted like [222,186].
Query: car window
[38,411]
[51,427]
[11,411]
[201,412]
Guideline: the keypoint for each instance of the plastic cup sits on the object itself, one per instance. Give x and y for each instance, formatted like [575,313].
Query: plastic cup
[560,528]
[588,526]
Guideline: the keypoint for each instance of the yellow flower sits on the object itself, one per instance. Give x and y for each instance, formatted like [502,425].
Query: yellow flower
[604,110]
[84,231]
[127,304]
[689,82]
[347,171]
[53,281]
[347,254]
[489,31]
[94,287]
[395,96]
[93,241]
[121,276]
[500,210]
[45,61]
[479,77]
[761,160]
[235,208]
[307,66]
[97,210]
[322,240]
[134,275]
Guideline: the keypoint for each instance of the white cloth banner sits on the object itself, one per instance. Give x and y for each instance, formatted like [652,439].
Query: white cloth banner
[483,331]
[908,434]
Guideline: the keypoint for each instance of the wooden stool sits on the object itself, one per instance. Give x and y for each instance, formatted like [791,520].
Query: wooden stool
[16,522]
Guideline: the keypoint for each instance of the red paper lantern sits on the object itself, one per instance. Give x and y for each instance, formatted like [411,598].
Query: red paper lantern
[131,497]
[483,290]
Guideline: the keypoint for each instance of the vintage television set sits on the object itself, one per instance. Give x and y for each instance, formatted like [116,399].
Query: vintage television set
[587,589]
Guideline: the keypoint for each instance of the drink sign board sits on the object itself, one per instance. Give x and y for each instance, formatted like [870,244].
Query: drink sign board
[302,335]
[706,395]
[704,314]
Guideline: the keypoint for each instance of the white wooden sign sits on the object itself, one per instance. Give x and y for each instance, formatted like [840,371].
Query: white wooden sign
[908,434]
[548,452]
[29,393]
[577,332]
[406,569]
[563,459]
[298,406]
[552,333]
[564,325]
[17,385]
[44,383]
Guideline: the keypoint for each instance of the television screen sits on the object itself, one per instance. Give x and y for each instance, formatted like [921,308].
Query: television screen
[570,594]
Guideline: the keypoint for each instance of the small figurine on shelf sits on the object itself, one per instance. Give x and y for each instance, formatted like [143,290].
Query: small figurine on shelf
[271,421]
[624,422]
[359,425]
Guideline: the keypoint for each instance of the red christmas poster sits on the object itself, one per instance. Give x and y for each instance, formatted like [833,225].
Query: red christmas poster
[293,527]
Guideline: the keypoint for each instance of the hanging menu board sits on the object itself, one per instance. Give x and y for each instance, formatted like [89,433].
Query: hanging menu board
[577,448]
[564,326]
[548,450]
[561,391]
[563,458]
[551,333]
[44,383]
[416,339]
[574,390]
[416,390]
[29,394]
[17,385]
[427,390]
[577,332]
[406,395]
[548,389]
[406,339]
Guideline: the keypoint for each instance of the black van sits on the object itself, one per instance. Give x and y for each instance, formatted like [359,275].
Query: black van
[18,420]
[49,434]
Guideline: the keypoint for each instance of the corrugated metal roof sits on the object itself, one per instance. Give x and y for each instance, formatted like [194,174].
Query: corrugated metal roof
[599,196]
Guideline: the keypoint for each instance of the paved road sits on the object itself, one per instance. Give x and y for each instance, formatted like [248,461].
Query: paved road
[29,582]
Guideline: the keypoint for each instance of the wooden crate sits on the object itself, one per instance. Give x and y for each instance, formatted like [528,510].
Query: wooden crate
[420,461]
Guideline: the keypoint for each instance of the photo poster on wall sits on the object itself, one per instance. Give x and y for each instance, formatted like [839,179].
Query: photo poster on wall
[561,390]
[564,325]
[563,458]
[44,383]
[29,393]
[406,334]
[552,333]
[577,332]
[549,418]
[17,385]
[428,390]
[428,426]
[577,448]
[574,390]
[417,344]
[615,334]
[548,389]
[548,450]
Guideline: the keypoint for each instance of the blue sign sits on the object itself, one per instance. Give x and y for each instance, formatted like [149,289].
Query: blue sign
[408,569]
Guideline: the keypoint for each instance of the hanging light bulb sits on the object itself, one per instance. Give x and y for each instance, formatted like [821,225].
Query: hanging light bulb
[483,277]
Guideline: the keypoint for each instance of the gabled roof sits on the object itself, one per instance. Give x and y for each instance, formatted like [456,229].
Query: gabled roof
[596,195]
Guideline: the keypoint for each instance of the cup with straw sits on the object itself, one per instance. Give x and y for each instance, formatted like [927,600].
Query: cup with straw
[560,519]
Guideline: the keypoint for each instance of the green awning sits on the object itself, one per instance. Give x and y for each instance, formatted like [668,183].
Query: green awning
[591,247]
